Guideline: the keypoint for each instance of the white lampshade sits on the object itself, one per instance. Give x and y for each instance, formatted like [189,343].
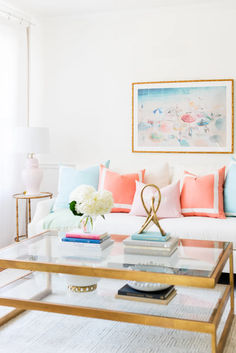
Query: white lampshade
[32,140]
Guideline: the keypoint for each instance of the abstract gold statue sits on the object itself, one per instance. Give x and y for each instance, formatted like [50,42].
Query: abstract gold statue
[151,214]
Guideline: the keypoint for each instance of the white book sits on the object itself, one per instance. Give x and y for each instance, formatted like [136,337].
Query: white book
[172,242]
[148,251]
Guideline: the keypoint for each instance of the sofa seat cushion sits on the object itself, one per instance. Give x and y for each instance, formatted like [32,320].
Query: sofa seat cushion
[122,223]
[204,228]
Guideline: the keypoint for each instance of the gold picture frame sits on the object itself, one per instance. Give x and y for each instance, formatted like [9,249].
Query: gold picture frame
[191,116]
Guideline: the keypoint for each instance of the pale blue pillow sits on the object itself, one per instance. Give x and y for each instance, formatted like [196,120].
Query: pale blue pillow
[70,178]
[230,190]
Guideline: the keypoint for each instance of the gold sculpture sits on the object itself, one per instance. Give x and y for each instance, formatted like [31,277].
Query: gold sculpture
[151,214]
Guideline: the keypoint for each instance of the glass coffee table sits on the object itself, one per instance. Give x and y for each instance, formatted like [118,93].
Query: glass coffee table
[201,304]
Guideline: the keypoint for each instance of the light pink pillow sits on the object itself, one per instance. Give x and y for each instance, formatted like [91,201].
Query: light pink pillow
[170,201]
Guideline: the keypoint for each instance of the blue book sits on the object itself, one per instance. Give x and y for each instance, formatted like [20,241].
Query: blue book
[152,236]
[79,240]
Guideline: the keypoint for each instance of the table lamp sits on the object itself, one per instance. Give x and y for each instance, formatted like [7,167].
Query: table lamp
[32,140]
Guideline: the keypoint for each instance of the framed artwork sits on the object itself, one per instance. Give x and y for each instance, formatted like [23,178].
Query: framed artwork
[183,116]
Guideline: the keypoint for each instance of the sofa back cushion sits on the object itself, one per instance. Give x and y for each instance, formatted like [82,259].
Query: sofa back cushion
[230,190]
[170,201]
[122,187]
[203,195]
[70,178]
[158,174]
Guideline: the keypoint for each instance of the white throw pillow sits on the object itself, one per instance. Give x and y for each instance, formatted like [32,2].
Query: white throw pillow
[158,175]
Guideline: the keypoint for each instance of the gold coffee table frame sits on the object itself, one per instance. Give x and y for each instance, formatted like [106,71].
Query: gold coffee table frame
[209,327]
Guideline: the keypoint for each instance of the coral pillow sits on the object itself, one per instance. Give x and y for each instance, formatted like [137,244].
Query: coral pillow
[170,201]
[203,195]
[121,186]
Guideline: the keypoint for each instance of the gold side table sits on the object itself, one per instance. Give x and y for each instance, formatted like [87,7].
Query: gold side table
[27,199]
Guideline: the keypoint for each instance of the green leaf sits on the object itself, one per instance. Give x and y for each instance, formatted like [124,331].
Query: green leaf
[73,209]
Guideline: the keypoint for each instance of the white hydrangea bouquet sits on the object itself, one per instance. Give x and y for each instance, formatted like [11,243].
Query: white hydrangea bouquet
[85,201]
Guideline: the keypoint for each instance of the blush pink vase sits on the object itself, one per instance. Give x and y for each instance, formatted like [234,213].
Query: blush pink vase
[32,176]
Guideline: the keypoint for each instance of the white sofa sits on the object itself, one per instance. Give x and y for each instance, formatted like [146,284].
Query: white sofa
[123,223]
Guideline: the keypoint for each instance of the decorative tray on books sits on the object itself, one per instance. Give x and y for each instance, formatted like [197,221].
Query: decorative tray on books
[148,286]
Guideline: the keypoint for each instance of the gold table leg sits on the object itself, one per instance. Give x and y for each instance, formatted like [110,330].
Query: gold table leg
[221,343]
[17,221]
[28,214]
[213,342]
[29,211]
[231,280]
[26,218]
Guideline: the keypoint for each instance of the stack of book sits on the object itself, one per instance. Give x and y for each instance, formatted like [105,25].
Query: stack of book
[150,243]
[88,241]
[158,297]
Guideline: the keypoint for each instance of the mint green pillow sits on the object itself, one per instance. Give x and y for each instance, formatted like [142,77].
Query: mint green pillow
[70,178]
[61,220]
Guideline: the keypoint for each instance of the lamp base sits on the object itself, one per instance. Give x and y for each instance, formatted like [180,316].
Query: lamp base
[32,176]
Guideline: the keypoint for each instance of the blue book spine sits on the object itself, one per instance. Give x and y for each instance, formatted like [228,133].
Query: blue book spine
[79,240]
[153,236]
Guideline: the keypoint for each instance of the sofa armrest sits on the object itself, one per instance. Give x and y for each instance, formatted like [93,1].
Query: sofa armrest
[43,208]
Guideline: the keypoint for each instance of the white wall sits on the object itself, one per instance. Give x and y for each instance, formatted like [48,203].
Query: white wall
[90,62]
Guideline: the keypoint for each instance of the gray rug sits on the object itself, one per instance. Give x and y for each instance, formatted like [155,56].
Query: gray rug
[41,332]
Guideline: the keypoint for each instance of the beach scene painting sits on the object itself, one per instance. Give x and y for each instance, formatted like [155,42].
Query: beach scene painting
[184,116]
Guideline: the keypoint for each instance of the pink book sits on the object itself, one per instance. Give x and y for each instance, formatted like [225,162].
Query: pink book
[86,236]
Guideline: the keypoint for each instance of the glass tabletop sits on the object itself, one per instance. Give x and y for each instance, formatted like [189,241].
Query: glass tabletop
[192,257]
[189,303]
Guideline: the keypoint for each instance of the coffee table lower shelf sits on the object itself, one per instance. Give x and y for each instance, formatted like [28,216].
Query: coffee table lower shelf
[193,309]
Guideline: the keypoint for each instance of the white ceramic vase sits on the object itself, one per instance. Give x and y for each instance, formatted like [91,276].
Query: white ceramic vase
[80,284]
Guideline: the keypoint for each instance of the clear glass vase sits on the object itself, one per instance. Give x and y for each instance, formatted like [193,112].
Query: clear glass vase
[87,223]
